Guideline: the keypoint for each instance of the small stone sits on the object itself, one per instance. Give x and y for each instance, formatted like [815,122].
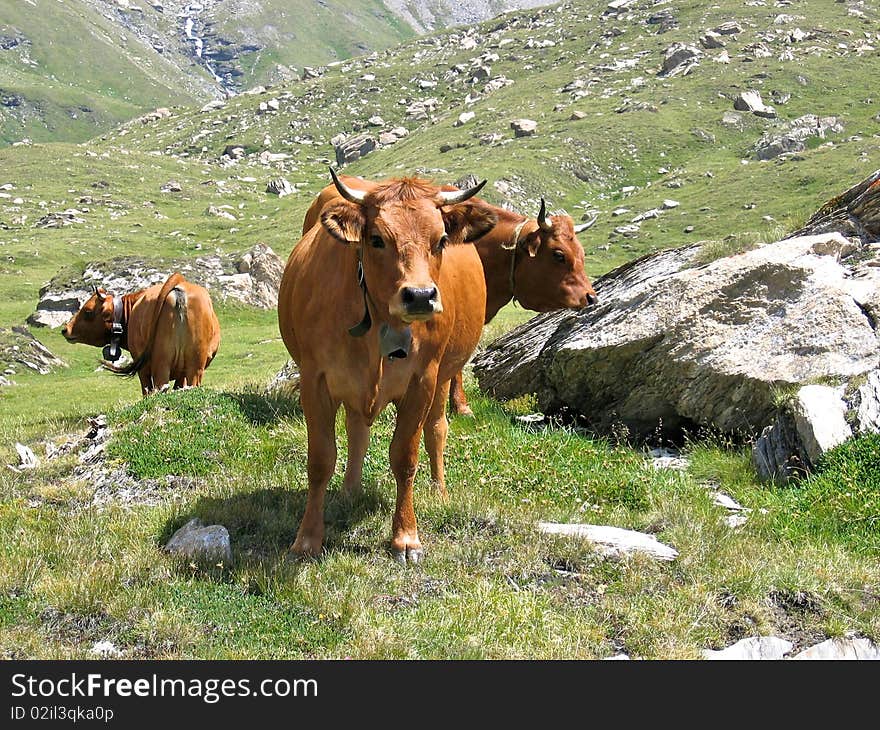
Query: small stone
[198,542]
[464,118]
[669,204]
[279,186]
[576,116]
[376,121]
[612,541]
[105,649]
[172,186]
[524,127]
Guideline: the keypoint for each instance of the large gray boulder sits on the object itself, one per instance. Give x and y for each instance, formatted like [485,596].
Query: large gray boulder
[677,343]
[251,277]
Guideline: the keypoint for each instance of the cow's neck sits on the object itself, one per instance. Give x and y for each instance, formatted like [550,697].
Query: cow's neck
[500,255]
[123,313]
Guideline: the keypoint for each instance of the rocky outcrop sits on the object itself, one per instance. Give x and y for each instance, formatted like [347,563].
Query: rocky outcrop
[673,343]
[251,277]
[792,137]
[780,341]
[20,351]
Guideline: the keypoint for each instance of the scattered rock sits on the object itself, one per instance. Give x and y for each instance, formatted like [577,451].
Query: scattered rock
[105,650]
[219,213]
[711,39]
[524,127]
[286,379]
[752,648]
[841,649]
[808,424]
[612,541]
[172,186]
[279,186]
[26,458]
[680,59]
[576,116]
[750,101]
[200,543]
[463,119]
[353,148]
[60,219]
[666,458]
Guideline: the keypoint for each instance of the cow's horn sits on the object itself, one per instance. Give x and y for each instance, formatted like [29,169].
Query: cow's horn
[543,223]
[450,197]
[354,196]
[581,227]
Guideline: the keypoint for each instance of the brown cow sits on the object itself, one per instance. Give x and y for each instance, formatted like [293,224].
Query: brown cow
[535,261]
[380,257]
[170,330]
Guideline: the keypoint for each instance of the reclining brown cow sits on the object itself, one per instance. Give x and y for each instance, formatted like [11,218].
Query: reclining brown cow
[381,304]
[535,261]
[170,330]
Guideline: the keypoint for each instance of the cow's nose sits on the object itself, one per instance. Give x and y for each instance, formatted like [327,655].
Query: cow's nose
[64,331]
[419,300]
[592,298]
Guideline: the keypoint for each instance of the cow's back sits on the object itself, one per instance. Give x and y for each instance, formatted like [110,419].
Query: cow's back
[187,331]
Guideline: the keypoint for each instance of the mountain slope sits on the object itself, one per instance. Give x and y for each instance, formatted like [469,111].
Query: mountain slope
[69,71]
[615,134]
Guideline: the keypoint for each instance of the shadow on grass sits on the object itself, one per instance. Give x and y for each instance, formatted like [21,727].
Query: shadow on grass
[262,524]
[262,407]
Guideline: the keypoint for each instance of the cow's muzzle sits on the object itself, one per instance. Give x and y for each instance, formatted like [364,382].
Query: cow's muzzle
[420,303]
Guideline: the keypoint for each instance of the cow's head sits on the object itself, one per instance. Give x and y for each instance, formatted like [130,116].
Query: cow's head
[93,323]
[550,266]
[402,227]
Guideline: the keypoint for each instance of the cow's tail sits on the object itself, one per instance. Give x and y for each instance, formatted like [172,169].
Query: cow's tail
[180,308]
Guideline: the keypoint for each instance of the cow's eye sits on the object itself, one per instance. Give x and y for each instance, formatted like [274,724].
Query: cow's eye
[376,241]
[558,256]
[89,314]
[441,244]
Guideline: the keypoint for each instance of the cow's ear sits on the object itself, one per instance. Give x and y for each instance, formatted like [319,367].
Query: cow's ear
[466,222]
[531,243]
[344,221]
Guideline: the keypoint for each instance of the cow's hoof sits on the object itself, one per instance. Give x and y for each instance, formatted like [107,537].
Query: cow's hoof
[463,411]
[305,549]
[410,555]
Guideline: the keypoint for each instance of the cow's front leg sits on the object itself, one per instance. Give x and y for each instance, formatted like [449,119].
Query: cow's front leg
[458,404]
[319,410]
[436,429]
[404,456]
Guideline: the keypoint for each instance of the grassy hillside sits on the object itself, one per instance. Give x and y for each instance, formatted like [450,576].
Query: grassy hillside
[76,570]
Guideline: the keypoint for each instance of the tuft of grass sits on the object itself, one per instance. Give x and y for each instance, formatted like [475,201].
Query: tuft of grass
[840,501]
[188,432]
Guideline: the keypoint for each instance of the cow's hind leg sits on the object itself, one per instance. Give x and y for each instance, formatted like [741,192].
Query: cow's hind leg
[458,404]
[320,413]
[146,378]
[404,456]
[358,431]
[436,429]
